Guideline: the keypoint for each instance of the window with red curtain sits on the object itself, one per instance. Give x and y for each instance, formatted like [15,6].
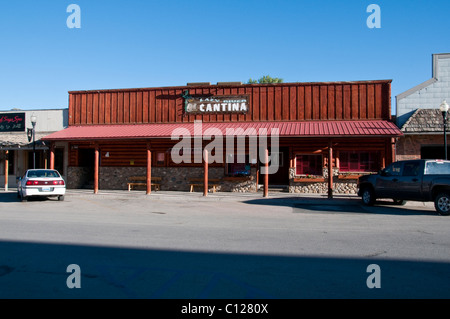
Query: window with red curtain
[359,161]
[308,165]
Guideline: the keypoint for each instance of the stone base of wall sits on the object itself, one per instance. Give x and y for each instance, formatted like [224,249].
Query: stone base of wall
[79,177]
[174,178]
[238,184]
[177,179]
[339,186]
[322,188]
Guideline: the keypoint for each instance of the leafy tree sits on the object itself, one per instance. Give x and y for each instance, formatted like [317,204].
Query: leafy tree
[265,79]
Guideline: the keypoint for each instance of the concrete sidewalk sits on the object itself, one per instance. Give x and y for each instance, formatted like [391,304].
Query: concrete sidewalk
[218,196]
[305,198]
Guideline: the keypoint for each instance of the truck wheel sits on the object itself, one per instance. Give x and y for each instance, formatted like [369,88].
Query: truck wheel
[368,196]
[442,204]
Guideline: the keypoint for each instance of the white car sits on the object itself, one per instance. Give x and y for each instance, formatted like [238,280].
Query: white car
[41,182]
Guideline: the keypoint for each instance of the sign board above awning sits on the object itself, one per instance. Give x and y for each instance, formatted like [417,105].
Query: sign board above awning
[12,122]
[216,104]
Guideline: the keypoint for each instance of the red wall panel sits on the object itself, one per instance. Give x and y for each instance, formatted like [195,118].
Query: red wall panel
[267,102]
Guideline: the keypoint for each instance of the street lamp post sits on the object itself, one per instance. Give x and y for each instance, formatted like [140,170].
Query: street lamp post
[444,109]
[33,122]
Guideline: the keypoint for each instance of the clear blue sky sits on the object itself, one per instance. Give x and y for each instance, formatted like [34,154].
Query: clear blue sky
[137,43]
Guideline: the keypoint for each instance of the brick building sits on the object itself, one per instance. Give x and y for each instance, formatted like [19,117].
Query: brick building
[418,114]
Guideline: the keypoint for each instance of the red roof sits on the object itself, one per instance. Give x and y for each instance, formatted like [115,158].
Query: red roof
[286,129]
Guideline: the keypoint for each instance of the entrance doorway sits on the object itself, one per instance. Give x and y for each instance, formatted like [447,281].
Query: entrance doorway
[281,177]
[86,160]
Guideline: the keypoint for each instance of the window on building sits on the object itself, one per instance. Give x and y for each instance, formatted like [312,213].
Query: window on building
[160,158]
[308,165]
[359,161]
[237,167]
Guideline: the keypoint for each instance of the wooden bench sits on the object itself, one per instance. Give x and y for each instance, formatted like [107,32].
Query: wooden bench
[142,181]
[199,182]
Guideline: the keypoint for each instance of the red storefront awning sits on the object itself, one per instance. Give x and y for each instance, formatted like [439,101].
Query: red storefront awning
[367,128]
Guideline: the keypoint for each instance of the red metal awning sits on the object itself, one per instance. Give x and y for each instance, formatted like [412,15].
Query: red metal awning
[368,128]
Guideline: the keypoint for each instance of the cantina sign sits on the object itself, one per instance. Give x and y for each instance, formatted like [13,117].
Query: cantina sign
[12,122]
[216,104]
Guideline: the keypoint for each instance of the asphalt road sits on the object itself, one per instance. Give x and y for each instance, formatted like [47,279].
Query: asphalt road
[182,245]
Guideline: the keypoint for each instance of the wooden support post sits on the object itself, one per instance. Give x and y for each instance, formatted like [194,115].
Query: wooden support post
[52,156]
[393,155]
[149,170]
[205,176]
[257,177]
[6,169]
[330,169]
[96,168]
[266,175]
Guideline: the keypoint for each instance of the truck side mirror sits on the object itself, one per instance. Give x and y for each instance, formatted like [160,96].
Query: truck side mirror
[383,172]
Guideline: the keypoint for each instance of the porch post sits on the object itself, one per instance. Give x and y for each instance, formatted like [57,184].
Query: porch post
[266,175]
[205,176]
[330,169]
[149,170]
[6,169]
[393,155]
[96,168]
[52,156]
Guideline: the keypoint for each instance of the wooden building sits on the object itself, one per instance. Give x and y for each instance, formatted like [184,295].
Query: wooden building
[114,135]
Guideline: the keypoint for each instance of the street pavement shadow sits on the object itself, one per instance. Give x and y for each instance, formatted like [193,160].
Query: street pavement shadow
[11,197]
[8,197]
[339,205]
[39,270]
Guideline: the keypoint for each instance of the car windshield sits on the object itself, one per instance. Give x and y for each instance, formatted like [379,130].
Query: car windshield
[437,168]
[42,173]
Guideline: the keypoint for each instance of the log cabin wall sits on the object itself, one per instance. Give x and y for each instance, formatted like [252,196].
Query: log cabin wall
[267,102]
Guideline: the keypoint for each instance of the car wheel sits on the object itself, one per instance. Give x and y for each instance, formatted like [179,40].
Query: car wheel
[399,202]
[368,196]
[61,198]
[442,204]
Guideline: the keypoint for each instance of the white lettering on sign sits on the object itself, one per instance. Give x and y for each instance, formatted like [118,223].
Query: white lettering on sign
[216,104]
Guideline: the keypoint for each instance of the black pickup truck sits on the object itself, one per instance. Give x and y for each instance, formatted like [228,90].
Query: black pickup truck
[415,180]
